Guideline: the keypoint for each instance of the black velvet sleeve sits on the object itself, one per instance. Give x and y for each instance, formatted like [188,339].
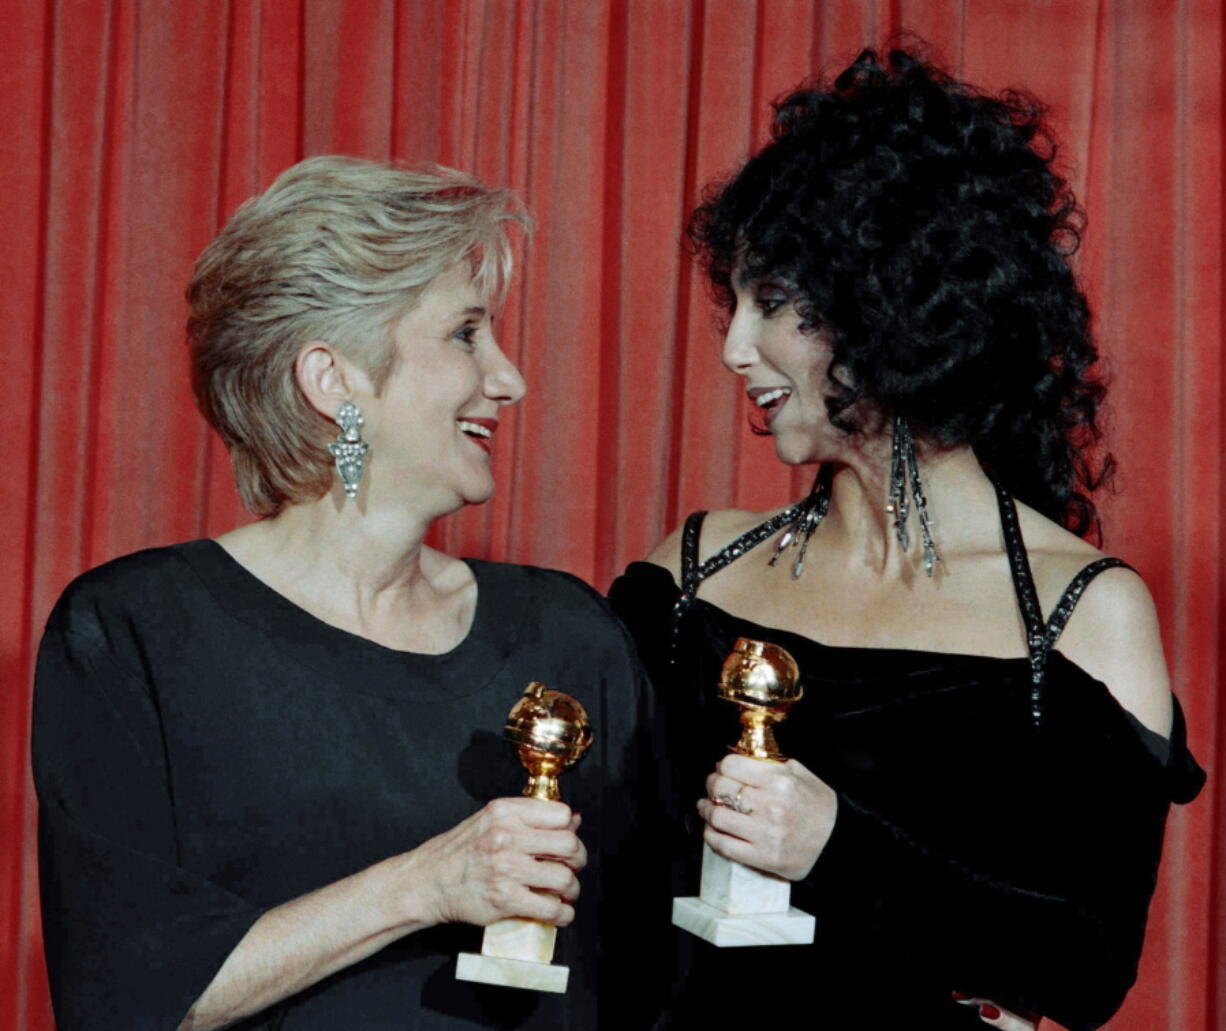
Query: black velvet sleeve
[1041,904]
[132,936]
[1071,957]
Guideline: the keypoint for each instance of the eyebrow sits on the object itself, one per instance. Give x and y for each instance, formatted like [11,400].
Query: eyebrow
[476,310]
[745,278]
[745,281]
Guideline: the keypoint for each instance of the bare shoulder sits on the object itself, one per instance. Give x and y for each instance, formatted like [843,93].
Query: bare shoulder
[1114,636]
[719,527]
[1113,633]
[1056,555]
[1053,550]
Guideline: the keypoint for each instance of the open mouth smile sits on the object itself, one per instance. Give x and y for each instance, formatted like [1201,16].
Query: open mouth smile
[770,400]
[479,431]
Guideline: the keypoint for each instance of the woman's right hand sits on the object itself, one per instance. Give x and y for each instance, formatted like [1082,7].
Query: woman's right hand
[493,865]
[515,857]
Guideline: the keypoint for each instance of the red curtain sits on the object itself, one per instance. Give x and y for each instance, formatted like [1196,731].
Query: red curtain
[134,128]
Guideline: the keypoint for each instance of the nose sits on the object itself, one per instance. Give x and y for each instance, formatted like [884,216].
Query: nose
[503,382]
[740,342]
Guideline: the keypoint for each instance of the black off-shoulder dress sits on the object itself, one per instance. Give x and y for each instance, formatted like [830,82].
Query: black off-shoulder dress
[999,824]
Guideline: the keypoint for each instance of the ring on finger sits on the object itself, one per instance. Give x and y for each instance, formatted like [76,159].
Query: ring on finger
[724,799]
[744,808]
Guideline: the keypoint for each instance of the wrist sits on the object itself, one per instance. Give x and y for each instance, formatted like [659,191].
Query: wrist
[410,903]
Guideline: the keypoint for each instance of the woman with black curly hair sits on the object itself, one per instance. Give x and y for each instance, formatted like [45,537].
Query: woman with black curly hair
[988,745]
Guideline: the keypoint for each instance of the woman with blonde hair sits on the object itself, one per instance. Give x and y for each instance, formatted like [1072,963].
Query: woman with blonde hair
[272,782]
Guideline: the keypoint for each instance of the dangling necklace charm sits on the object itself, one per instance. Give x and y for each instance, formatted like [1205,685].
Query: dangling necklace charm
[809,514]
[903,466]
[349,449]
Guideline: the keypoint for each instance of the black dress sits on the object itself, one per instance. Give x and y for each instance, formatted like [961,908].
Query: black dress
[999,821]
[205,750]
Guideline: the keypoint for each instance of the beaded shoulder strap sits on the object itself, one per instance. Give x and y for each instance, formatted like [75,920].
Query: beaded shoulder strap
[1041,636]
[693,573]
[1073,592]
[1037,644]
[750,539]
[689,552]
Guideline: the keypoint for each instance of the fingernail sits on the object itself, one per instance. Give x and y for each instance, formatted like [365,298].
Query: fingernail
[958,995]
[988,1011]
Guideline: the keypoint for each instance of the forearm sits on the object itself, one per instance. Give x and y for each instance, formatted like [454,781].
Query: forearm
[302,941]
[481,870]
[1068,952]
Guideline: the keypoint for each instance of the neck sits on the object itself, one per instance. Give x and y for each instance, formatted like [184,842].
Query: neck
[374,549]
[954,486]
[360,564]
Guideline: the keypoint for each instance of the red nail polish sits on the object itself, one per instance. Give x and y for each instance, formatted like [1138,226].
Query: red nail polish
[989,1011]
[958,995]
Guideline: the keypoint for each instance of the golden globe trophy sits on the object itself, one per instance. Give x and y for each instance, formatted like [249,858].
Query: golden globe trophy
[738,905]
[552,731]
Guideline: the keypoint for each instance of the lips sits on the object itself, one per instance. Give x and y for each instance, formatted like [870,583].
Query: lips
[479,431]
[769,400]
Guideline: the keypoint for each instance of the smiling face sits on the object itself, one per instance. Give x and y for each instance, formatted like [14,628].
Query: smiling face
[785,370]
[431,428]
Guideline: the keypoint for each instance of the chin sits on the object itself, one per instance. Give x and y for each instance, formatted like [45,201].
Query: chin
[478,495]
[794,452]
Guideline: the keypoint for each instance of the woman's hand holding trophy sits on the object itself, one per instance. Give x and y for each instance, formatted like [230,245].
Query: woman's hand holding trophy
[739,904]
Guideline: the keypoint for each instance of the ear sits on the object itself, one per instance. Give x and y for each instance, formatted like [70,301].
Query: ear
[326,377]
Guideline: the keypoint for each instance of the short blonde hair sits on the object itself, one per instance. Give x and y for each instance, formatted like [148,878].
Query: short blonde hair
[336,249]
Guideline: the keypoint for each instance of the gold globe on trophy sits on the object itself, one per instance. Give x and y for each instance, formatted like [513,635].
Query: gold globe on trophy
[736,904]
[763,680]
[551,731]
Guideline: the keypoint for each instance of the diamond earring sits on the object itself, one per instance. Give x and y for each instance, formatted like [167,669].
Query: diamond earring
[349,449]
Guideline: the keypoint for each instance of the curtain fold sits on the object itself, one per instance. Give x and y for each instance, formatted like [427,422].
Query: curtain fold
[135,127]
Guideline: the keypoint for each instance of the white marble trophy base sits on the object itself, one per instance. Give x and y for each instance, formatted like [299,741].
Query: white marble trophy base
[742,906]
[516,954]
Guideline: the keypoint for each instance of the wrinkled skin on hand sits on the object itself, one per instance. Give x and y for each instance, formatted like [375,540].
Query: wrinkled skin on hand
[514,857]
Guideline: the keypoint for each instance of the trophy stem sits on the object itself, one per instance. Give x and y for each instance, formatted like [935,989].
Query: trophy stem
[543,769]
[758,736]
[543,785]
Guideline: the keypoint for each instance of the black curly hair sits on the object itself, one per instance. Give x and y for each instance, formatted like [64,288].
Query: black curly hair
[921,224]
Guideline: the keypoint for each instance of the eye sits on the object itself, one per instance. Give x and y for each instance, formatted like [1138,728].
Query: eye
[769,300]
[467,335]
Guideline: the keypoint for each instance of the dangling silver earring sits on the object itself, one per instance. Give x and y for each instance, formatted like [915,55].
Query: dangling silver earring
[903,466]
[349,449]
[809,514]
[899,505]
